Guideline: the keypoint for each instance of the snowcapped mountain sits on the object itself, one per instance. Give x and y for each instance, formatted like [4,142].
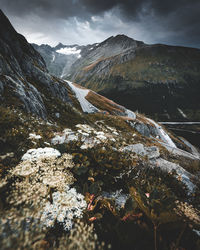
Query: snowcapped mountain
[68,153]
[60,58]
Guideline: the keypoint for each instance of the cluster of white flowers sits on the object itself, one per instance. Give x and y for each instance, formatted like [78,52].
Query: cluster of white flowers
[38,178]
[66,136]
[65,206]
[33,136]
[34,154]
[89,136]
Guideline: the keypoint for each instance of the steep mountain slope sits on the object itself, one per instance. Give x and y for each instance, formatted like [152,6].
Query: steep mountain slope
[60,58]
[159,80]
[78,170]
[24,79]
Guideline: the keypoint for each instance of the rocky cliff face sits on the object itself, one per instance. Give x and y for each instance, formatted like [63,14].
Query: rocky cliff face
[24,79]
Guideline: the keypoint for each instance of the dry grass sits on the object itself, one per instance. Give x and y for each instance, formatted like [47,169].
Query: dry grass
[91,66]
[103,103]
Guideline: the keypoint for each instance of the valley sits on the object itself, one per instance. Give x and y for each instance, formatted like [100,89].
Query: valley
[188,130]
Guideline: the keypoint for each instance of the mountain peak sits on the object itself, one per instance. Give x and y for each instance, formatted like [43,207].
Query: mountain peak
[122,36]
[5,25]
[123,40]
[59,46]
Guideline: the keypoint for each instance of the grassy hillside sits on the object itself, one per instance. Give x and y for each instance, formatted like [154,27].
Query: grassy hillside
[153,79]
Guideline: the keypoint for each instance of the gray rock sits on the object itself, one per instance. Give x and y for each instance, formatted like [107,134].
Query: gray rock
[151,152]
[136,148]
[168,167]
[144,129]
[1,88]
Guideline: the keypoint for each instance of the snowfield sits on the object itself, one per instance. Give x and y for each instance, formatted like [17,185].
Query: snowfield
[81,94]
[131,114]
[70,51]
[87,106]
[162,134]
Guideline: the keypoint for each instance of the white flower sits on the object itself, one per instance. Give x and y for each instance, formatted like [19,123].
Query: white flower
[66,206]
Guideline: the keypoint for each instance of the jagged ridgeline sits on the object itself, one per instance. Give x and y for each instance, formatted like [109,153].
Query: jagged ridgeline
[79,171]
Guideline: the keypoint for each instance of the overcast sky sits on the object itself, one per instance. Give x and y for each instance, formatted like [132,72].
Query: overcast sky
[175,22]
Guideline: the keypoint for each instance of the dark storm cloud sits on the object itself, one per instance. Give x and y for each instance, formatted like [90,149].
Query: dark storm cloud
[49,8]
[66,8]
[172,21]
[132,7]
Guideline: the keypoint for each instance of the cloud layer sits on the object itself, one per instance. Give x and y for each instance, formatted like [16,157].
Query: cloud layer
[89,21]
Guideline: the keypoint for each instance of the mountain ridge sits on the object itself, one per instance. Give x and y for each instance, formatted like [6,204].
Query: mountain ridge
[145,74]
[159,80]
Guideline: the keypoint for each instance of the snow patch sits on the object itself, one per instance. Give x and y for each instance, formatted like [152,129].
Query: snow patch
[81,94]
[53,57]
[162,134]
[70,51]
[182,113]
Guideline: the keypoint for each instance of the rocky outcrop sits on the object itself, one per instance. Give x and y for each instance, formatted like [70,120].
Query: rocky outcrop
[150,152]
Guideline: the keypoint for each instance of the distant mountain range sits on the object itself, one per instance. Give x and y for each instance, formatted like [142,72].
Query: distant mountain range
[159,80]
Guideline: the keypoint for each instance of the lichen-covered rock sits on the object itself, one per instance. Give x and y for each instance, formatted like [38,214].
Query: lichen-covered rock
[182,174]
[140,149]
